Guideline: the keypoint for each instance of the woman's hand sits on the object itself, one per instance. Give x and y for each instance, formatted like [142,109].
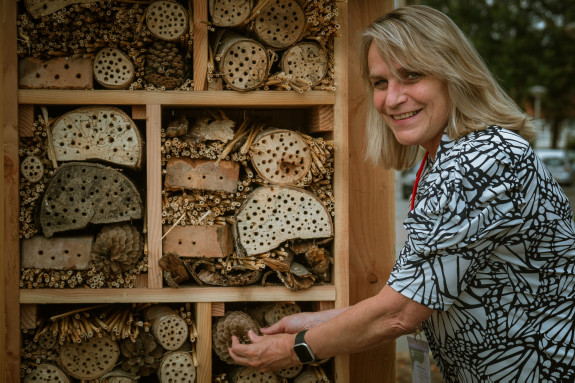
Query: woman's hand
[295,323]
[265,353]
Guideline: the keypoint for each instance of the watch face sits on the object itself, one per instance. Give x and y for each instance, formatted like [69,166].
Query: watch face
[303,353]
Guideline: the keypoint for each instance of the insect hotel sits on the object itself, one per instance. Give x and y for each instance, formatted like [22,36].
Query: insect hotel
[177,175]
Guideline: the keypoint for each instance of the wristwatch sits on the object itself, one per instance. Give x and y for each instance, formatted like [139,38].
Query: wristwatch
[302,350]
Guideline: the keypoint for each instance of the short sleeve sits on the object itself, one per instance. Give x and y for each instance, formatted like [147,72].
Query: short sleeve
[464,210]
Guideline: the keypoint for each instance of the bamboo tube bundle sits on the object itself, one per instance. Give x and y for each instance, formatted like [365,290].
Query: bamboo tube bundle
[250,375]
[167,20]
[306,63]
[229,13]
[177,367]
[243,62]
[280,23]
[113,69]
[170,330]
[89,359]
[46,372]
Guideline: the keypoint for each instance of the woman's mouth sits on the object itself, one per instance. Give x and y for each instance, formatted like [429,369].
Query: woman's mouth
[403,116]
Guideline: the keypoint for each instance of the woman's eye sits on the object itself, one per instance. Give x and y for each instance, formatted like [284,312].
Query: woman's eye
[413,76]
[380,84]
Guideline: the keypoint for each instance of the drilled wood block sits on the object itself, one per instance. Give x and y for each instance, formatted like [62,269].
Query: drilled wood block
[62,253]
[57,73]
[39,8]
[189,173]
[212,241]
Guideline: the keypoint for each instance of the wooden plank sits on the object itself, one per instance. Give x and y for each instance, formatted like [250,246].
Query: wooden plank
[204,342]
[218,309]
[26,120]
[9,209]
[200,68]
[341,181]
[138,112]
[262,99]
[372,206]
[321,119]
[182,294]
[154,194]
[28,317]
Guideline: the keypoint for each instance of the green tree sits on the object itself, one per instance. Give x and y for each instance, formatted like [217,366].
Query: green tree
[524,43]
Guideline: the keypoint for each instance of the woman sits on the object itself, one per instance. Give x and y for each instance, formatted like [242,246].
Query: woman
[488,266]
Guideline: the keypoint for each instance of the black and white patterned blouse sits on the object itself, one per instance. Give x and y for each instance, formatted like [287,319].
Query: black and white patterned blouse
[491,247]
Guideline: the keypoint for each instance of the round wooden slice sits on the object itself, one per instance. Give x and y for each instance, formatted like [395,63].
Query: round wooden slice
[305,61]
[290,372]
[89,359]
[168,20]
[250,375]
[32,169]
[307,376]
[280,24]
[48,373]
[170,330]
[229,13]
[243,62]
[113,69]
[280,156]
[177,367]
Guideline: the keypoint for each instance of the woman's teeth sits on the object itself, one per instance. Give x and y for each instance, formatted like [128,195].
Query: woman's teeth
[404,115]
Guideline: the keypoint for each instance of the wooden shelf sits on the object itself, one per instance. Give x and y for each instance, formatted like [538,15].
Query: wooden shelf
[187,294]
[276,99]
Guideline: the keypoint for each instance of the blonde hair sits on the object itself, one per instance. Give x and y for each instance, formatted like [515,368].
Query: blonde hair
[424,40]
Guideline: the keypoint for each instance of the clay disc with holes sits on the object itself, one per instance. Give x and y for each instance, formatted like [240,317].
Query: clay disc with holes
[113,69]
[90,359]
[243,62]
[229,13]
[177,367]
[167,20]
[32,169]
[305,61]
[280,24]
[97,133]
[271,215]
[290,372]
[281,157]
[48,373]
[80,193]
[170,330]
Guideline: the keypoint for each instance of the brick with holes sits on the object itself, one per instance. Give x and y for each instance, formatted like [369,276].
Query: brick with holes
[57,73]
[189,173]
[213,241]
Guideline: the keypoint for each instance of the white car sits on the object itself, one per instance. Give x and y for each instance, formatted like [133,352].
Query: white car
[557,161]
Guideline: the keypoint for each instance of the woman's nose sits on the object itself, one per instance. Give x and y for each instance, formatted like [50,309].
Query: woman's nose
[395,94]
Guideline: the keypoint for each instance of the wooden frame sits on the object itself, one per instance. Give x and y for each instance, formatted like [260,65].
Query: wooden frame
[151,103]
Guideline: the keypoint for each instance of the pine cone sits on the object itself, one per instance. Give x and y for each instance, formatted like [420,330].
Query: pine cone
[165,65]
[117,248]
[236,323]
[142,356]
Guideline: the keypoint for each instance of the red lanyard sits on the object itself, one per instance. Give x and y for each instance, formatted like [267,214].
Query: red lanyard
[417,180]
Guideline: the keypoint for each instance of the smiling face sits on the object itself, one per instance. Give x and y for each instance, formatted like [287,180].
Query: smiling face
[414,106]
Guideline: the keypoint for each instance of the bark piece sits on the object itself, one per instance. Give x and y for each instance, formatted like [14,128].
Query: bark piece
[281,157]
[203,241]
[83,193]
[56,73]
[271,215]
[62,253]
[98,133]
[193,173]
[175,269]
